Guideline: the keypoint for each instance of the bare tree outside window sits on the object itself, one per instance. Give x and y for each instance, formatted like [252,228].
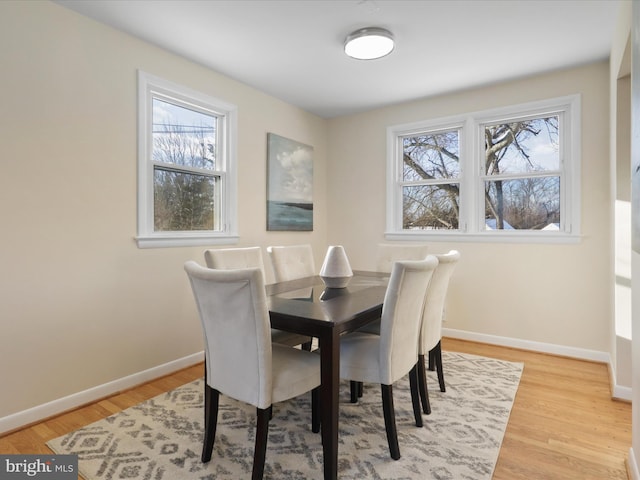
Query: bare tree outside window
[510,173]
[184,157]
[431,171]
[521,174]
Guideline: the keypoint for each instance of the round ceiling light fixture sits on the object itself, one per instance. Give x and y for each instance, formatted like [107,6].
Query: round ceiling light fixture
[369,43]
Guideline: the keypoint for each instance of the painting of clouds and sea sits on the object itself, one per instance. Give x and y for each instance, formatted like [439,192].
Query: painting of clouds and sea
[289,184]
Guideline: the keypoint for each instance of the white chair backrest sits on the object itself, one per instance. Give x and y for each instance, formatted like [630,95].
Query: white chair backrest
[402,316]
[234,258]
[292,262]
[431,332]
[388,254]
[235,320]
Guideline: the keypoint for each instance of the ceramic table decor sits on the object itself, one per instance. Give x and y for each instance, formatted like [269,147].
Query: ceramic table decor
[336,271]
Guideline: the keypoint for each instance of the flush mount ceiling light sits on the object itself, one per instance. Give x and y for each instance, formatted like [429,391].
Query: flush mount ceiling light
[369,43]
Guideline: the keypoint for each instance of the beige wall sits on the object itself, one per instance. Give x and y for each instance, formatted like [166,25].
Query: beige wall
[555,294]
[80,304]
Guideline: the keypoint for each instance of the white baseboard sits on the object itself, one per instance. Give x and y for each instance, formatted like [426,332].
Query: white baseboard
[619,392]
[581,353]
[55,407]
[632,466]
[622,393]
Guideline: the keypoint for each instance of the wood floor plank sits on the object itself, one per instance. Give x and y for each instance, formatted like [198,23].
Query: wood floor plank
[563,426]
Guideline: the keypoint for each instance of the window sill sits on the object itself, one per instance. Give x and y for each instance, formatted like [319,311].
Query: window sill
[488,237]
[174,239]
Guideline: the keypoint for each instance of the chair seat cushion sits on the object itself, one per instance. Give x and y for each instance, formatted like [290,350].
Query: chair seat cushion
[360,357]
[294,372]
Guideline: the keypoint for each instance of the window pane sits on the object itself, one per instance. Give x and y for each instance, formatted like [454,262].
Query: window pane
[523,204]
[431,207]
[183,201]
[520,147]
[431,156]
[182,136]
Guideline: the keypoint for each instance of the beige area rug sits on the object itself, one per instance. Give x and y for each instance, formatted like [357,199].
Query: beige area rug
[161,439]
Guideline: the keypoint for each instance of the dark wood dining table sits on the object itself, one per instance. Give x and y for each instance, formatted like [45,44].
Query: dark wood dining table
[305,306]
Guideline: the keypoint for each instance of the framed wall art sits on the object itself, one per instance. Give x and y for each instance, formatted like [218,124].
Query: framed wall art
[289,184]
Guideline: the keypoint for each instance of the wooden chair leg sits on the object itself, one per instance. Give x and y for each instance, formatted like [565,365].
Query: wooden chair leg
[307,346]
[415,396]
[432,361]
[390,421]
[357,390]
[422,385]
[260,450]
[438,359]
[211,402]
[315,410]
[353,387]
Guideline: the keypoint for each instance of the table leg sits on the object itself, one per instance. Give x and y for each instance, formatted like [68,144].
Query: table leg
[330,376]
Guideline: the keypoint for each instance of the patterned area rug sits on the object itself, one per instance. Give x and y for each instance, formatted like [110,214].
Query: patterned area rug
[161,439]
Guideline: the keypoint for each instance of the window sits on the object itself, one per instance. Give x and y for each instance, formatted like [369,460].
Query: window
[186,166]
[431,180]
[509,174]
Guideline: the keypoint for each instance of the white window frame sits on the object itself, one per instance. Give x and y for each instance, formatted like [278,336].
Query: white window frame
[150,86]
[471,219]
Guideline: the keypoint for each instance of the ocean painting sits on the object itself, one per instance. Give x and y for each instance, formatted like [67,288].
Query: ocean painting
[290,184]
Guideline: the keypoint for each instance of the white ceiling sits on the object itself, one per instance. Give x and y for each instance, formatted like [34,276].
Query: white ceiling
[293,50]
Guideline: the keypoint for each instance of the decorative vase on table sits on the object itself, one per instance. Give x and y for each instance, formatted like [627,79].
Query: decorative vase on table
[336,271]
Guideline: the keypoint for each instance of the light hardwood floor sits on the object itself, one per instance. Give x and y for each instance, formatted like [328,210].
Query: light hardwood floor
[563,425]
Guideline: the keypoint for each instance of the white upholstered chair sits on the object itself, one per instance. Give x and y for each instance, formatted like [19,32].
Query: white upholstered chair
[291,262]
[431,330]
[235,258]
[241,360]
[251,257]
[387,357]
[387,254]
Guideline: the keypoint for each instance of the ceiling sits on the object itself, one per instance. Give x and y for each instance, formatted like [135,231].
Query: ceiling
[293,50]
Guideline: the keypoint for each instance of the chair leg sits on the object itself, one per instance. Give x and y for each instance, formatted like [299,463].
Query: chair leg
[357,390]
[432,360]
[438,358]
[260,450]
[307,346]
[415,396]
[422,385]
[390,421]
[315,410]
[353,387]
[211,402]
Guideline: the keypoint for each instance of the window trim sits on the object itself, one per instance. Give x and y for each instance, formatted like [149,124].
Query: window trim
[472,181]
[146,236]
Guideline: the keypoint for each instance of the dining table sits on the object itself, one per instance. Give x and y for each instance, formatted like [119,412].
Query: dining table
[305,306]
